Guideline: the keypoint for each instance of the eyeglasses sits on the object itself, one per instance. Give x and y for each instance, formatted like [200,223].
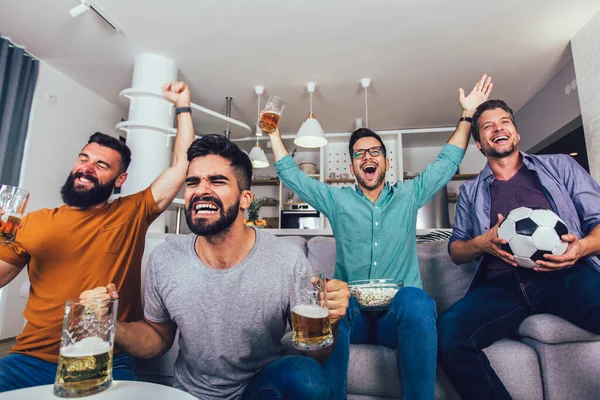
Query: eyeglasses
[373,151]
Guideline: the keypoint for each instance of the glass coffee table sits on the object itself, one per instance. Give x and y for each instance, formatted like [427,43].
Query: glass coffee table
[119,390]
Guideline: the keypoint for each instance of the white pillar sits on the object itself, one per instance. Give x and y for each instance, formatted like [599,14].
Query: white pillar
[150,149]
[586,56]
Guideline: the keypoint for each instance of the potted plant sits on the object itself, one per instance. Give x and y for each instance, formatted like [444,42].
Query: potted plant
[253,217]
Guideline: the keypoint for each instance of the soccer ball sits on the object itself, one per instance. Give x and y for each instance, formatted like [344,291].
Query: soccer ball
[531,233]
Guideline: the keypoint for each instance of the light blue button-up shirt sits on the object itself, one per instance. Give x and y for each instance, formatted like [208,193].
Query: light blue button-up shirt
[375,240]
[571,191]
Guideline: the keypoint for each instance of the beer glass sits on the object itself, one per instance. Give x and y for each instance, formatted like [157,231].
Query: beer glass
[86,348]
[271,114]
[310,316]
[13,201]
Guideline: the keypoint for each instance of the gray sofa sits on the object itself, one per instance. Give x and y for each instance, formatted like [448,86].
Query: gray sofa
[549,359]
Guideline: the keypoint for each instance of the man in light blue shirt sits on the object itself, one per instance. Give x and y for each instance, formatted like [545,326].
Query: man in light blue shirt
[374,225]
[502,295]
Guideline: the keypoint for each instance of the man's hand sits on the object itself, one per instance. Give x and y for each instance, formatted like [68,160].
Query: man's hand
[490,243]
[102,293]
[478,95]
[338,296]
[178,93]
[574,252]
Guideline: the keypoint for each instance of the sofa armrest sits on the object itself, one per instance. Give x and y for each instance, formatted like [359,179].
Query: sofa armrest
[550,329]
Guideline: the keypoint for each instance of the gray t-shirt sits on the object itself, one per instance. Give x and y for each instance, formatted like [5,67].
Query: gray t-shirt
[230,321]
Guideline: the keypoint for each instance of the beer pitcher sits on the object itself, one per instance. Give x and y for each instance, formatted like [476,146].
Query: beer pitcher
[310,316]
[86,348]
[13,201]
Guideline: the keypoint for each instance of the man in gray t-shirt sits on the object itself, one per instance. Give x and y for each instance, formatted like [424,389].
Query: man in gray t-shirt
[226,288]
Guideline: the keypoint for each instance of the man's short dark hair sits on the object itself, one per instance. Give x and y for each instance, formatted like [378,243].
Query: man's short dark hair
[115,144]
[221,146]
[361,133]
[485,106]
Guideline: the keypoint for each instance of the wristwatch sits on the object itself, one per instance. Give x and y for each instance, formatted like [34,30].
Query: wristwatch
[468,119]
[180,110]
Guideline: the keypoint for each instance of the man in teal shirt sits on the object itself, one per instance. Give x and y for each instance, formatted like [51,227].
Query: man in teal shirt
[374,225]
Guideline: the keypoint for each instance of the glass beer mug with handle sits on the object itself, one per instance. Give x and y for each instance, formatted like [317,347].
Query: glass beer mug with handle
[86,348]
[310,316]
[13,201]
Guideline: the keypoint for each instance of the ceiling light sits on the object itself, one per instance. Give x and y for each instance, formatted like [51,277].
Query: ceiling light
[257,154]
[573,154]
[80,9]
[311,134]
[365,83]
[90,4]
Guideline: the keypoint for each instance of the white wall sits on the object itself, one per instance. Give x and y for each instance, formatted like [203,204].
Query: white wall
[586,54]
[57,132]
[541,120]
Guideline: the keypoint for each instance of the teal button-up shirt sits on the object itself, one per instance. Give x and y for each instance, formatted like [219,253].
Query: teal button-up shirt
[375,240]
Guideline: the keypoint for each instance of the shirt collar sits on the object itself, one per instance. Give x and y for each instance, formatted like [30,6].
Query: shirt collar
[386,188]
[487,170]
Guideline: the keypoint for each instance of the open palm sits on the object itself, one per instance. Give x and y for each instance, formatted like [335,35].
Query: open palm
[478,95]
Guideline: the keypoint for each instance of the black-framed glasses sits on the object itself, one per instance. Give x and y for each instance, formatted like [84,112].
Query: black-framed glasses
[375,151]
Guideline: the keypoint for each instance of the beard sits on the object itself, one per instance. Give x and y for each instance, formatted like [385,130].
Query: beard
[202,227]
[99,193]
[378,181]
[493,153]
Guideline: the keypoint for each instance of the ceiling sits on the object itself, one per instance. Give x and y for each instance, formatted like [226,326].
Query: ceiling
[417,52]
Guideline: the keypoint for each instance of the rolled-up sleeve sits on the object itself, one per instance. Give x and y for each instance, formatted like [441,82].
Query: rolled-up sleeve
[584,191]
[463,224]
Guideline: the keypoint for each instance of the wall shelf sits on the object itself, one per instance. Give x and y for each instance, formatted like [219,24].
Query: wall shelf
[348,180]
[205,120]
[456,177]
[265,182]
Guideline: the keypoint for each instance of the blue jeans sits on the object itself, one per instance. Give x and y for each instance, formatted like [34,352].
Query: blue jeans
[408,326]
[290,378]
[495,310]
[19,371]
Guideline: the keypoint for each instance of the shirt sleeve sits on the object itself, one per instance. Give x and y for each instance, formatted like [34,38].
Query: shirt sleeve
[150,207]
[584,192]
[15,253]
[154,307]
[463,225]
[437,174]
[316,193]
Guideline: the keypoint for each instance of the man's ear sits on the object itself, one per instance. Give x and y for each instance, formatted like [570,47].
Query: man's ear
[387,164]
[351,168]
[245,199]
[478,144]
[121,180]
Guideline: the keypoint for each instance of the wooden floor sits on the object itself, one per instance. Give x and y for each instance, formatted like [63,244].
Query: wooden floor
[5,346]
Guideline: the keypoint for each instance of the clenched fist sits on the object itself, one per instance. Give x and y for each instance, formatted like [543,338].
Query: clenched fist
[178,93]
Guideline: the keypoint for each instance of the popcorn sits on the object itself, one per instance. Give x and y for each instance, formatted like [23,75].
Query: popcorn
[374,294]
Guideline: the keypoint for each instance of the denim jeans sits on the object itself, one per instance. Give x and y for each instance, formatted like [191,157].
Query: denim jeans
[408,326]
[495,310]
[290,378]
[18,371]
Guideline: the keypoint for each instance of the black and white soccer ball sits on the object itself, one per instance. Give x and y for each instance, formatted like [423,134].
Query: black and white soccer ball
[531,233]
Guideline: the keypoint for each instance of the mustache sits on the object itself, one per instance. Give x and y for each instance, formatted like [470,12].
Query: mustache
[86,176]
[206,198]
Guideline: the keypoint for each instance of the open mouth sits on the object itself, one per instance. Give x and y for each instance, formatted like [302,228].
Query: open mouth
[500,139]
[205,208]
[370,170]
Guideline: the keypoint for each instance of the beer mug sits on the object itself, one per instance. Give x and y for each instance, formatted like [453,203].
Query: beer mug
[310,316]
[13,201]
[271,114]
[86,348]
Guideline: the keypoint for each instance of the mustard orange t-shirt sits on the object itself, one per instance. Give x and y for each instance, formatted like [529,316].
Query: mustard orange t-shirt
[69,250]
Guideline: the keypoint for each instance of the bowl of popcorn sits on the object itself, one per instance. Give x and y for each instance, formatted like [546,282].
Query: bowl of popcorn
[374,294]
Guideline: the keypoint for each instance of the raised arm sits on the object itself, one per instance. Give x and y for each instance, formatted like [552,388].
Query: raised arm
[165,187]
[8,272]
[480,93]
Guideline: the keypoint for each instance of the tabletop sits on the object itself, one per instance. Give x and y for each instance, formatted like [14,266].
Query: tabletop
[119,390]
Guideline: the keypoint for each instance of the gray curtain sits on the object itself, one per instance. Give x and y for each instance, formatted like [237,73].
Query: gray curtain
[18,75]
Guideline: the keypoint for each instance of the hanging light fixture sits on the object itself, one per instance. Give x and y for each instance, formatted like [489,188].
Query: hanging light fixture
[365,83]
[311,134]
[257,154]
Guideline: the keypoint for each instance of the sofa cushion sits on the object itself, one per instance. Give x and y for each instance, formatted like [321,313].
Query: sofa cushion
[442,279]
[551,329]
[321,254]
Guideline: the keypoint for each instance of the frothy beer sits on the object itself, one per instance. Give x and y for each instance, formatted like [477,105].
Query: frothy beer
[8,228]
[84,368]
[268,121]
[311,327]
